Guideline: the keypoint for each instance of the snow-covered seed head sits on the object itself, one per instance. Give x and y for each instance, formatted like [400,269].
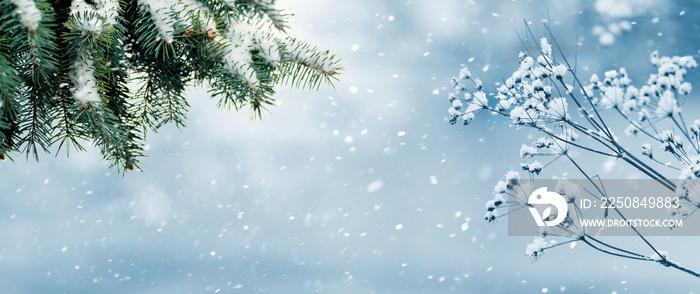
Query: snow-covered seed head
[512,178]
[491,205]
[536,248]
[465,74]
[559,71]
[498,200]
[490,216]
[501,187]
[695,129]
[646,150]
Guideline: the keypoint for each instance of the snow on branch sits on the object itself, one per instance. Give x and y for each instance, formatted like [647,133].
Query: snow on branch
[205,22]
[191,14]
[95,18]
[310,66]
[29,14]
[237,58]
[266,9]
[161,14]
[69,63]
[83,77]
[267,47]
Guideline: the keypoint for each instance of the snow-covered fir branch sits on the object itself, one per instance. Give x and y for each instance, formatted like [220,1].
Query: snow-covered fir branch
[74,59]
[29,13]
[95,18]
[263,10]
[85,88]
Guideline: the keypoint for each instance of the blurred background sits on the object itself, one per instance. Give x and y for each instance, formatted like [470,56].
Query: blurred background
[364,188]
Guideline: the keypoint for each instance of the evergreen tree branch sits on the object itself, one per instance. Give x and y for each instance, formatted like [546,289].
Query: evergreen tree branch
[65,68]
[266,10]
[37,65]
[306,67]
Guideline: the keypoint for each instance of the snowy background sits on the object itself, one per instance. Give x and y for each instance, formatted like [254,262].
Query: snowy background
[360,189]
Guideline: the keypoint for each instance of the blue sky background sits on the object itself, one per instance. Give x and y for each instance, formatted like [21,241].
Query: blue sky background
[364,188]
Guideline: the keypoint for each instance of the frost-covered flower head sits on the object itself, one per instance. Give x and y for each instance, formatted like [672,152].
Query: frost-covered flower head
[688,193]
[501,191]
[466,104]
[572,117]
[658,96]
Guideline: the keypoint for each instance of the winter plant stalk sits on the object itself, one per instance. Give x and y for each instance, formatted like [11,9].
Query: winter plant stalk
[546,94]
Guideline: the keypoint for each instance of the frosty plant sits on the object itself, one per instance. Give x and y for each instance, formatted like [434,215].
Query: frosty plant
[65,68]
[546,94]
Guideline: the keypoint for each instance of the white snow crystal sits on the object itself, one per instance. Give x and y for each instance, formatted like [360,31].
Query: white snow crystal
[615,9]
[374,186]
[28,13]
[597,30]
[606,39]
[614,28]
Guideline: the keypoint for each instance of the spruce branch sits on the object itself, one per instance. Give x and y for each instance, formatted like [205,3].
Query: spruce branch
[66,66]
[306,67]
[266,10]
